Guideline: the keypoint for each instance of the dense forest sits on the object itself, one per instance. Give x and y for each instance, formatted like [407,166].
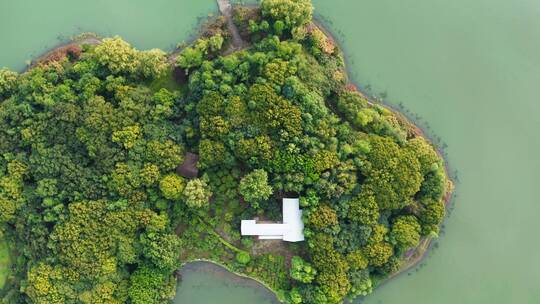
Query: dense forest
[96,209]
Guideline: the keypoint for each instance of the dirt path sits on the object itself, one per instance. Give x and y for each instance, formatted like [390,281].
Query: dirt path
[226,10]
[275,247]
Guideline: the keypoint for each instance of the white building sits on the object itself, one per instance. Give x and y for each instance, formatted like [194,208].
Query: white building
[291,230]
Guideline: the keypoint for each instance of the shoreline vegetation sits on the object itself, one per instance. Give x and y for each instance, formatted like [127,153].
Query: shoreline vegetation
[249,256]
[62,50]
[420,252]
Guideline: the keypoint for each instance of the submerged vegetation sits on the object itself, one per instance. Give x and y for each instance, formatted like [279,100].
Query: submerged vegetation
[90,143]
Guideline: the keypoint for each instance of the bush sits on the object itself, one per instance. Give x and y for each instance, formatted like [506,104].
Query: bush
[301,270]
[8,81]
[405,232]
[254,187]
[197,194]
[323,217]
[290,13]
[243,257]
[171,187]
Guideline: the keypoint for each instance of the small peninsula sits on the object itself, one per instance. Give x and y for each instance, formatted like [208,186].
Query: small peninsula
[118,166]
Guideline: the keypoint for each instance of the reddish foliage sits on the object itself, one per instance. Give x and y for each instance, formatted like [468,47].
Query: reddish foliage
[351,87]
[241,17]
[72,51]
[214,27]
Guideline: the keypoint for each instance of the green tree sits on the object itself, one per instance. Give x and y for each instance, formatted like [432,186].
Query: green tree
[352,105]
[295,297]
[11,192]
[153,63]
[390,267]
[8,81]
[44,288]
[434,184]
[254,187]
[332,278]
[431,215]
[197,194]
[148,285]
[47,187]
[172,186]
[357,260]
[364,209]
[426,154]
[323,217]
[293,13]
[163,250]
[117,55]
[378,253]
[190,57]
[149,174]
[255,151]
[213,154]
[164,103]
[127,137]
[279,27]
[193,56]
[361,284]
[301,270]
[394,174]
[166,154]
[215,42]
[405,232]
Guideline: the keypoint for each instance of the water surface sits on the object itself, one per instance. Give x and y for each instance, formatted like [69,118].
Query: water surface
[28,27]
[206,283]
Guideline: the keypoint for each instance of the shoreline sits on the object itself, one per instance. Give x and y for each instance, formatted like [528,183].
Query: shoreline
[93,38]
[224,267]
[421,251]
[79,40]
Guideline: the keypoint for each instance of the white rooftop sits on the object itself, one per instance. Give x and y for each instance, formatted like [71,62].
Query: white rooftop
[291,230]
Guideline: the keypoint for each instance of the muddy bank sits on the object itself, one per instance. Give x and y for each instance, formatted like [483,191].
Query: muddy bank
[64,49]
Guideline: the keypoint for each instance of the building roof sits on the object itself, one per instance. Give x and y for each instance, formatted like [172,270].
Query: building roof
[291,230]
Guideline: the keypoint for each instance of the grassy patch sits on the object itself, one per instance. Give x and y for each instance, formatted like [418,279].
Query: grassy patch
[167,81]
[4,262]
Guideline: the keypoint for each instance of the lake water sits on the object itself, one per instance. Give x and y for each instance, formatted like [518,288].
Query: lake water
[468,68]
[28,28]
[206,283]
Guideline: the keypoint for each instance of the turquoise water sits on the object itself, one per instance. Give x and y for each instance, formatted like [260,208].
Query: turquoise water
[468,68]
[28,28]
[205,283]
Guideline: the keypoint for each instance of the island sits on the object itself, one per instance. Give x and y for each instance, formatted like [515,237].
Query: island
[118,166]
